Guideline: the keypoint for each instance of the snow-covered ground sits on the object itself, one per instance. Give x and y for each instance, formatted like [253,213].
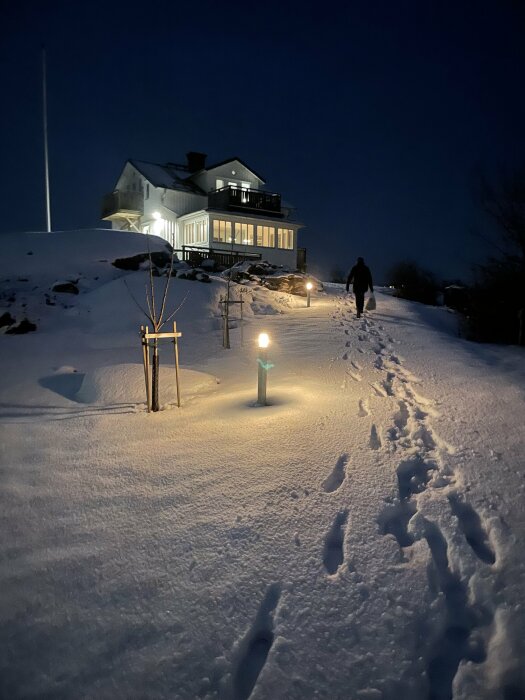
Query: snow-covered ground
[362,536]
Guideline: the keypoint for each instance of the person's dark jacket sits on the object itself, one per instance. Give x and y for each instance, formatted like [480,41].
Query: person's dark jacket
[361,279]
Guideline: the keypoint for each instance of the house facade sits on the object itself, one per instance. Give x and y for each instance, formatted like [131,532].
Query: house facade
[222,207]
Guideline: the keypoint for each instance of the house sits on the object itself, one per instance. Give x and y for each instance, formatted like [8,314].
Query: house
[221,209]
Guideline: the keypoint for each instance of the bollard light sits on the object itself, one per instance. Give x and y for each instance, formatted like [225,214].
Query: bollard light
[262,372]
[264,340]
[309,286]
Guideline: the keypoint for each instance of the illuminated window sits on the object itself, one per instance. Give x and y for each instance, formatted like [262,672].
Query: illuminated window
[219,184]
[285,238]
[222,231]
[266,236]
[244,234]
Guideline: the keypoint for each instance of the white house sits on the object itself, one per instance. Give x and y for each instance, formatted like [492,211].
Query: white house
[220,209]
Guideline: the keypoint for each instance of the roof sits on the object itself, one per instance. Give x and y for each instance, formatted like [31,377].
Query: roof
[171,176]
[230,160]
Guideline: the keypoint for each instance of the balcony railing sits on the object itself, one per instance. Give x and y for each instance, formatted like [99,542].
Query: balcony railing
[122,204]
[237,199]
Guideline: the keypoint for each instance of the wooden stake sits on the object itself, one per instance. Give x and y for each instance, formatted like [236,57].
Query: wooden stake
[242,321]
[148,385]
[176,351]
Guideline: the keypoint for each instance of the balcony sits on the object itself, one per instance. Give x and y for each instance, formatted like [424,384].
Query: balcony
[122,205]
[249,201]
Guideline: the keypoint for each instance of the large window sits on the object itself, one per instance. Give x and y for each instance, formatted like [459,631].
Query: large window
[266,236]
[195,232]
[222,231]
[285,238]
[244,234]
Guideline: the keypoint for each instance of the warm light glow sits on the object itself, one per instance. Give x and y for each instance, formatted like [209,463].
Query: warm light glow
[309,285]
[264,340]
[156,215]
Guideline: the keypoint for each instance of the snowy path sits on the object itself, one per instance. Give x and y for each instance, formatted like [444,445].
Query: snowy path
[350,540]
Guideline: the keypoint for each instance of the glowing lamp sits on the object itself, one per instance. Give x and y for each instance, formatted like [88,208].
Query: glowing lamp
[309,286]
[263,340]
[156,215]
[262,368]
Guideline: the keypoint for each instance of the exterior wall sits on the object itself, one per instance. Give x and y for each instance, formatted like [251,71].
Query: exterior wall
[130,180]
[207,179]
[170,204]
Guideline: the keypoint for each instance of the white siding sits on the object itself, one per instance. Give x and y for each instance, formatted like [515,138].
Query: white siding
[207,180]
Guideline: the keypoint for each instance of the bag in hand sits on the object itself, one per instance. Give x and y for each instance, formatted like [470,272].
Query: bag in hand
[371,303]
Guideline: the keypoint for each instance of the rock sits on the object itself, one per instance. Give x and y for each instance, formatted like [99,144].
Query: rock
[25,326]
[158,258]
[291,284]
[208,264]
[65,287]
[6,319]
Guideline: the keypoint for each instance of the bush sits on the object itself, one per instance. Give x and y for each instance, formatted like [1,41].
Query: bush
[497,299]
[495,303]
[413,282]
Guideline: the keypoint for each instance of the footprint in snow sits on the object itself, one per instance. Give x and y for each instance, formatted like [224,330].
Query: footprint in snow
[254,648]
[379,390]
[375,440]
[363,408]
[333,554]
[472,528]
[337,476]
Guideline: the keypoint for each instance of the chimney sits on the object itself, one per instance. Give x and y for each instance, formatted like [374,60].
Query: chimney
[196,161]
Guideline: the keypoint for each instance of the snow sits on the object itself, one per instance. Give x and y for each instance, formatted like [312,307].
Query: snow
[362,536]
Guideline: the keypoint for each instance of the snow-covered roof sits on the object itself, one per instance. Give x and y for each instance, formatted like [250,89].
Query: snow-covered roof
[171,176]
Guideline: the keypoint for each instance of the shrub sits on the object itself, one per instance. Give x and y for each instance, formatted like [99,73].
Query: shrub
[413,282]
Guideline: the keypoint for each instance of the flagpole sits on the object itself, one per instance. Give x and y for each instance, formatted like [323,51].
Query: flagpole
[46,153]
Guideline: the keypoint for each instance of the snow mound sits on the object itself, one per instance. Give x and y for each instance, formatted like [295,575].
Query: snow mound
[124,384]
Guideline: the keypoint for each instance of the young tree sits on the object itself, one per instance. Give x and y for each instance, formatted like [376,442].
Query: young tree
[157,316]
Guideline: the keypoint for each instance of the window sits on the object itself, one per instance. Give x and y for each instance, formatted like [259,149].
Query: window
[285,238]
[222,231]
[219,184]
[244,234]
[195,232]
[266,236]
[147,190]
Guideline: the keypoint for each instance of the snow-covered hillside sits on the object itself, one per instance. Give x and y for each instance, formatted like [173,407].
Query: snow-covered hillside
[360,537]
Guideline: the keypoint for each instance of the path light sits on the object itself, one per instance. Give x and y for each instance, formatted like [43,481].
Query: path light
[309,286]
[262,361]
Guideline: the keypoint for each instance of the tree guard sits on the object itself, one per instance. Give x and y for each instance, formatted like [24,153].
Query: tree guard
[150,358]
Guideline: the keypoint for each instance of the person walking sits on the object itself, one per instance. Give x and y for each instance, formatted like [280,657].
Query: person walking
[361,279]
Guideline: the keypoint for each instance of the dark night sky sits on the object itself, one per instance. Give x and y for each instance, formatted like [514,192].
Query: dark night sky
[369,116]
